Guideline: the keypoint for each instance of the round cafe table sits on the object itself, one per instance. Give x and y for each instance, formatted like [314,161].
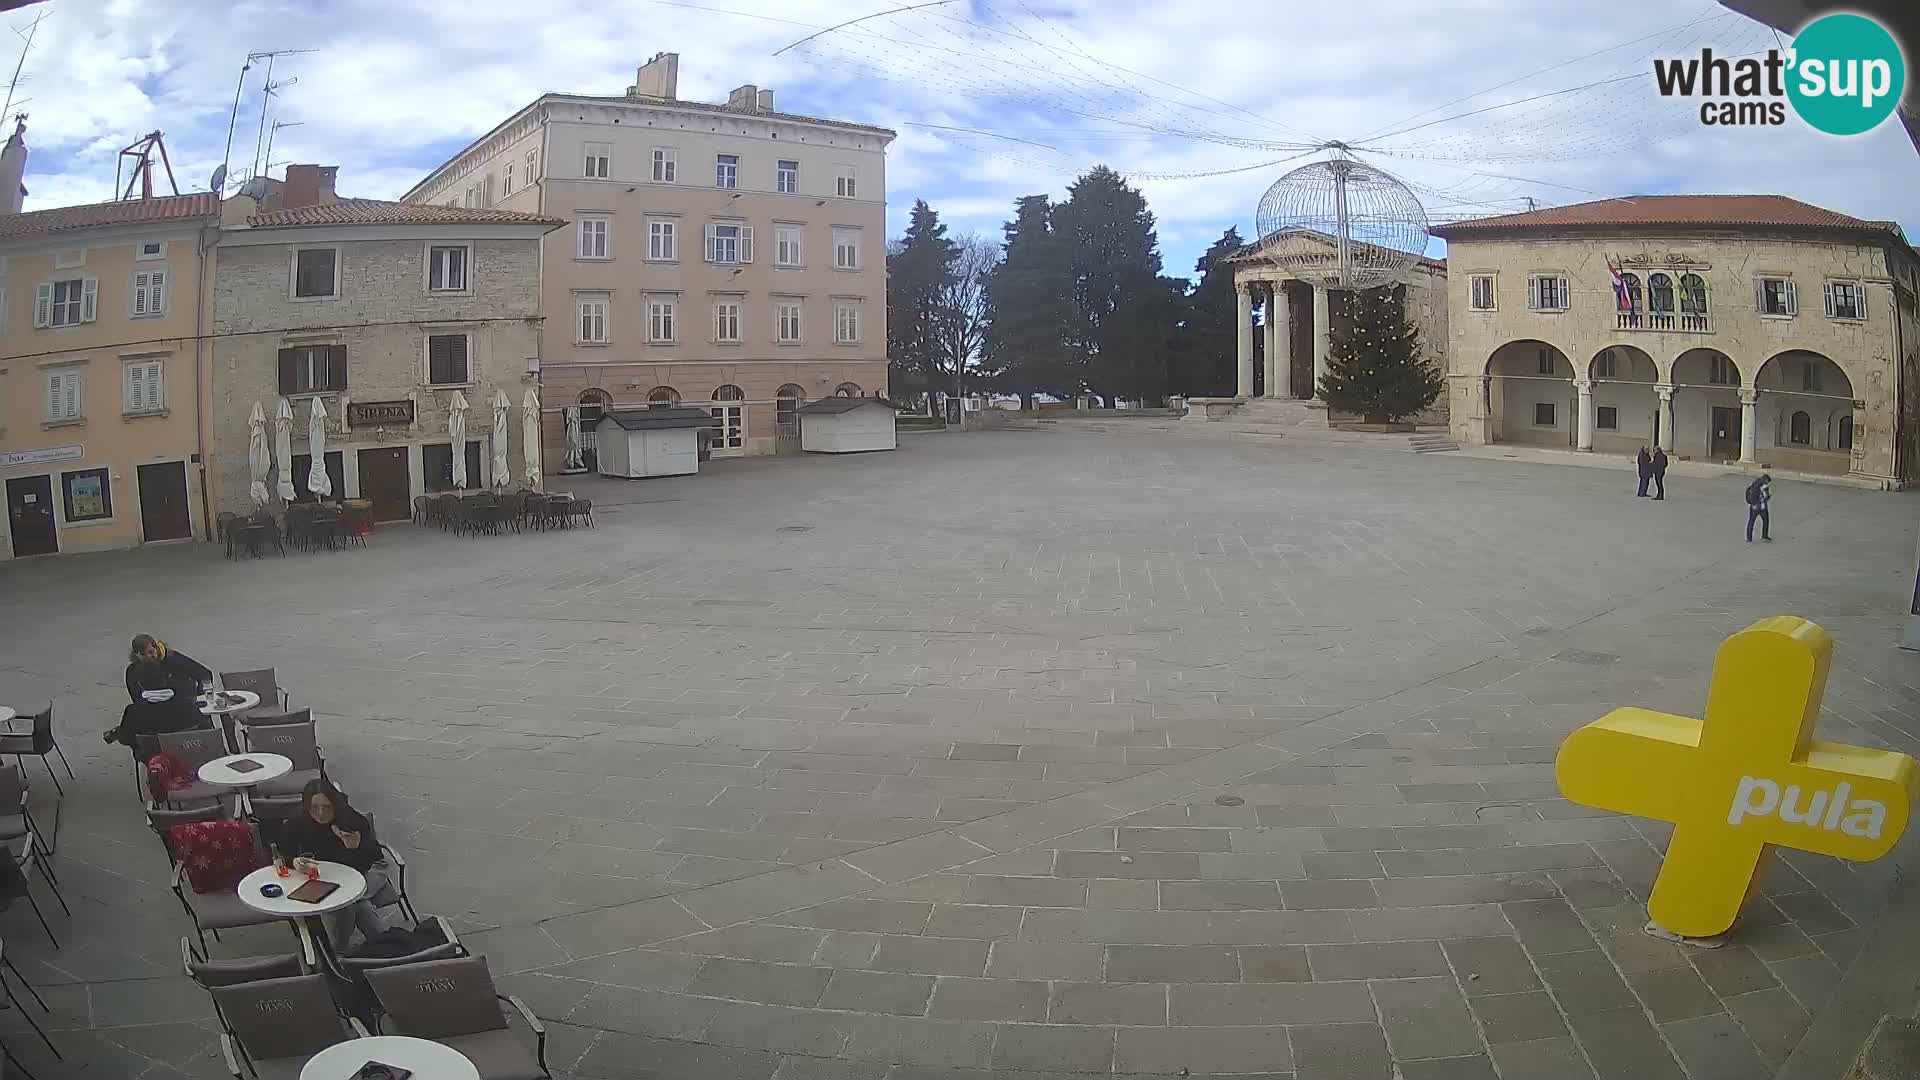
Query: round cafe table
[222,705]
[6,714]
[353,885]
[427,1060]
[220,770]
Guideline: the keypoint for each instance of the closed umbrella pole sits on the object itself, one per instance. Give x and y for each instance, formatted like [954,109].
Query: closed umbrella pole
[283,447]
[457,432]
[318,482]
[502,422]
[530,436]
[258,461]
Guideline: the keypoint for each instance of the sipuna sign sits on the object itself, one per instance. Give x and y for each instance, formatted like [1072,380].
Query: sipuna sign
[1748,775]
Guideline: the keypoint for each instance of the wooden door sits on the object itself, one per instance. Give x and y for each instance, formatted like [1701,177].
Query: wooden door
[1724,440]
[30,515]
[163,502]
[385,482]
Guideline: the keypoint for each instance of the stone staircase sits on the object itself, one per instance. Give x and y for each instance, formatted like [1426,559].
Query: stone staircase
[1431,442]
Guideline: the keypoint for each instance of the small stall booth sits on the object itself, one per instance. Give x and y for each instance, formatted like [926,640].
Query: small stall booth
[650,442]
[847,425]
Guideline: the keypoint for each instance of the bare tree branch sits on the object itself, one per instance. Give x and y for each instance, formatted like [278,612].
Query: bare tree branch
[963,307]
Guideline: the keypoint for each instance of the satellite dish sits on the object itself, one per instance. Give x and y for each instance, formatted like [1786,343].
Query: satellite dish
[219,179]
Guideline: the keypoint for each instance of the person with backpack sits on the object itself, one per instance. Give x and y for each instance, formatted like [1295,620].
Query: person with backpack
[1759,500]
[1659,474]
[1645,465]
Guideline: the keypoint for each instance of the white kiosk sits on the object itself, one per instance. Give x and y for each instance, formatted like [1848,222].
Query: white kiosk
[650,442]
[847,425]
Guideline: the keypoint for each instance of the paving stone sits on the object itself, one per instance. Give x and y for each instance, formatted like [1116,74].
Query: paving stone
[1129,895]
[846,949]
[1236,1050]
[1172,963]
[769,984]
[1423,924]
[641,969]
[1812,913]
[1447,891]
[1026,891]
[1219,896]
[1475,1067]
[1134,839]
[1548,926]
[1508,1018]
[768,1027]
[1377,960]
[1623,1045]
[1557,1059]
[1340,1052]
[1097,1003]
[1274,963]
[1314,895]
[931,956]
[1773,1021]
[1250,866]
[974,921]
[1714,1048]
[1342,864]
[1810,979]
[1674,994]
[1585,982]
[1046,960]
[808,1068]
[873,916]
[1423,863]
[1425,1018]
[1159,865]
[1732,969]
[921,1041]
[878,992]
[1211,1005]
[645,1012]
[1065,1049]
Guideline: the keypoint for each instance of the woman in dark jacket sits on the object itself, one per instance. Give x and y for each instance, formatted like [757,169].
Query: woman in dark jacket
[174,678]
[329,830]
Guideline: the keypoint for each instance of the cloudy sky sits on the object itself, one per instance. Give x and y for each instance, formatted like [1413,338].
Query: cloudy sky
[1478,104]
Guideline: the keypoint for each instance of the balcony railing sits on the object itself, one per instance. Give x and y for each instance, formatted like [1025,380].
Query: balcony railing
[1662,321]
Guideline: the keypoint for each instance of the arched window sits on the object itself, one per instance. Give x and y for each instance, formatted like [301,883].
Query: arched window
[1693,295]
[663,396]
[593,405]
[847,389]
[1844,439]
[786,410]
[732,414]
[1660,294]
[1633,290]
[1800,429]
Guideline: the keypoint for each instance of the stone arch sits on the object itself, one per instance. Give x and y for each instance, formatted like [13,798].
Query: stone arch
[1802,398]
[1708,386]
[1626,411]
[663,396]
[847,389]
[1528,394]
[786,409]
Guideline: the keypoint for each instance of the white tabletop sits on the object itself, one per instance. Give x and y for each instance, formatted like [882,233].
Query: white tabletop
[6,714]
[428,1060]
[352,887]
[248,699]
[220,770]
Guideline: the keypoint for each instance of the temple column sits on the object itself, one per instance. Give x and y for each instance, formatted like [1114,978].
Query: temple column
[1583,422]
[1322,336]
[1272,326]
[1749,420]
[1665,393]
[1243,308]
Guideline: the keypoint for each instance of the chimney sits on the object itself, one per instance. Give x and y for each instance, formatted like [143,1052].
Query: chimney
[744,98]
[657,78]
[13,169]
[308,185]
[764,101]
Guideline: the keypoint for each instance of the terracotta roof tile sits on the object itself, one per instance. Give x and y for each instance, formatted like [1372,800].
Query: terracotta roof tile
[1758,211]
[383,212]
[91,215]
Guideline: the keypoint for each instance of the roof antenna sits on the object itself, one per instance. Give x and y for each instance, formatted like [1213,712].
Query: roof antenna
[13,84]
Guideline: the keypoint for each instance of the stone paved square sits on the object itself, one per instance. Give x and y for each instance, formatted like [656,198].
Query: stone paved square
[1067,751]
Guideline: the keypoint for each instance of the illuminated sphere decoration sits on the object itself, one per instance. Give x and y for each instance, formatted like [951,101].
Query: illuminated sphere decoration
[1377,227]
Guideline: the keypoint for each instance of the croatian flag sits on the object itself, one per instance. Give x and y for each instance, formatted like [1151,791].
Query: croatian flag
[1621,297]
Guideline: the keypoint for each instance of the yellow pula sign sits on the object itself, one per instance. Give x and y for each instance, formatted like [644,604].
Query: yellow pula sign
[1748,775]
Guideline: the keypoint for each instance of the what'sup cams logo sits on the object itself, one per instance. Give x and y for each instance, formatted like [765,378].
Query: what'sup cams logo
[1843,75]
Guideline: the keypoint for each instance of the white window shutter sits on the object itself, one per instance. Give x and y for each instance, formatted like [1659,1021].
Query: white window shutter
[72,393]
[746,243]
[89,292]
[1829,292]
[1793,299]
[713,246]
[153,385]
[1861,302]
[43,305]
[1760,295]
[157,299]
[1566,294]
[136,388]
[1533,292]
[53,396]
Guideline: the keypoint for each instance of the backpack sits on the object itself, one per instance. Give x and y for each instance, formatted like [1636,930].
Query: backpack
[1754,493]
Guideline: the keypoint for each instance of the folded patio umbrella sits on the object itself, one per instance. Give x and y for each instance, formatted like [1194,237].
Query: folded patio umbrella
[259,462]
[502,412]
[530,435]
[318,482]
[457,431]
[283,445]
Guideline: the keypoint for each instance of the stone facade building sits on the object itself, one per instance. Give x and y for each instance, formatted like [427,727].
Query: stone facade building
[102,427]
[1749,329]
[387,315]
[729,255]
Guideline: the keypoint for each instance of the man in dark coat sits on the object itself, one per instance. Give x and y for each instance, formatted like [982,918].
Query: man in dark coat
[1759,507]
[162,684]
[1659,474]
[1645,463]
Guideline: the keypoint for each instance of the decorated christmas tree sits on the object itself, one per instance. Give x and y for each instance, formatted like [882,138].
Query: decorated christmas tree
[1374,367]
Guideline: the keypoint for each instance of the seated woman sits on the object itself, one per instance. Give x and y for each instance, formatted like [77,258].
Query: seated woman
[329,830]
[162,684]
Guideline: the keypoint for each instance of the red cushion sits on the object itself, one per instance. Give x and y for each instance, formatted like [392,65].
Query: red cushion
[216,854]
[166,773]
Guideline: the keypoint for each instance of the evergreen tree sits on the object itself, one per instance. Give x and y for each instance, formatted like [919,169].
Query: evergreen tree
[1203,363]
[1374,367]
[1027,297]
[919,272]
[1121,315]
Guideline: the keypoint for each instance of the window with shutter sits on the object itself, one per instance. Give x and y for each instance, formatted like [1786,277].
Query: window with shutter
[313,369]
[65,397]
[149,293]
[336,368]
[314,274]
[43,305]
[89,293]
[447,268]
[447,359]
[746,243]
[593,320]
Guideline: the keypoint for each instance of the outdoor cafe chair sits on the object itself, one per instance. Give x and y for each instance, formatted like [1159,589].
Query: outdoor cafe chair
[39,742]
[221,909]
[254,718]
[276,1025]
[192,749]
[13,793]
[208,973]
[14,884]
[264,682]
[296,743]
[160,819]
[454,1003]
[7,968]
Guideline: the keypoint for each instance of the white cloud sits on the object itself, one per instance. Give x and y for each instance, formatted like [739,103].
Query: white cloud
[393,86]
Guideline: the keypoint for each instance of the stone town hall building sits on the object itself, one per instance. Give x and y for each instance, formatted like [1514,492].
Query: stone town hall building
[1754,329]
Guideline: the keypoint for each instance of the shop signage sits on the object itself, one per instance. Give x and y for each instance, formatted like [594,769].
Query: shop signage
[12,458]
[364,413]
[1748,775]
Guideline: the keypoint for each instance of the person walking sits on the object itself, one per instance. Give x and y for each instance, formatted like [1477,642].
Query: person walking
[1759,503]
[1645,464]
[1659,474]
